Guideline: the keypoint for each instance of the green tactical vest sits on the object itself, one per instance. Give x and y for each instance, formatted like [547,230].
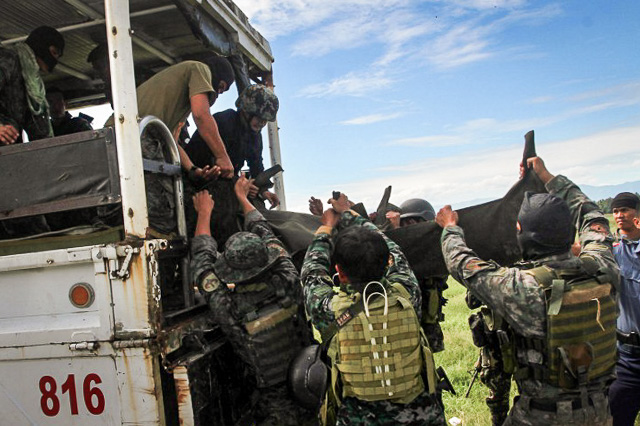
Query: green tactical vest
[381,357]
[580,345]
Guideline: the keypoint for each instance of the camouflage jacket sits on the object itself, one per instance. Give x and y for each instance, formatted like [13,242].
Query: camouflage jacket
[318,285]
[228,306]
[14,109]
[516,296]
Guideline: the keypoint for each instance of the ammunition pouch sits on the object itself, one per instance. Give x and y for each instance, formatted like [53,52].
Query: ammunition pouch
[432,300]
[580,343]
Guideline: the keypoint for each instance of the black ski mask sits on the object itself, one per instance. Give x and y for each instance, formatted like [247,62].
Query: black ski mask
[39,41]
[221,70]
[546,227]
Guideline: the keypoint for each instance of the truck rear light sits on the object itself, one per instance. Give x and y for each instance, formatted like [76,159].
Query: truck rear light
[81,295]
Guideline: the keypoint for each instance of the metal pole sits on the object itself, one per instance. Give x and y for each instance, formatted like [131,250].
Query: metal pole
[125,105]
[274,151]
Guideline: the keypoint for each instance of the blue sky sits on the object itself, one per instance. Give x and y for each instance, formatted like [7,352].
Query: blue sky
[434,97]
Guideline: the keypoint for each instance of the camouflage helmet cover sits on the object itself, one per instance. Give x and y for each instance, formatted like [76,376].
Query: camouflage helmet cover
[260,101]
[245,257]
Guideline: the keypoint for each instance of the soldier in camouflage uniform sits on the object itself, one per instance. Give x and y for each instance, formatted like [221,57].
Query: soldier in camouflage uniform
[490,333]
[559,383]
[241,132]
[320,296]
[23,104]
[255,297]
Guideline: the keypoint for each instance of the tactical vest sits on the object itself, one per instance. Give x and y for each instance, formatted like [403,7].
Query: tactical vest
[381,357]
[580,343]
[274,330]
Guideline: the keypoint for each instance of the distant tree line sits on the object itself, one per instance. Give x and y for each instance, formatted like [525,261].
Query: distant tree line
[605,204]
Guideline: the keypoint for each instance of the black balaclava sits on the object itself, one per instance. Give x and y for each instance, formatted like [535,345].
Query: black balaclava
[221,70]
[545,226]
[39,41]
[626,199]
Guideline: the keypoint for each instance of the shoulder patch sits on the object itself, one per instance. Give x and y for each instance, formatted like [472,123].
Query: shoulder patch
[474,265]
[210,282]
[598,227]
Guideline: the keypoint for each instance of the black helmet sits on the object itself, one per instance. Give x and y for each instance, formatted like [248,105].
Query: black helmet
[308,378]
[417,207]
[546,226]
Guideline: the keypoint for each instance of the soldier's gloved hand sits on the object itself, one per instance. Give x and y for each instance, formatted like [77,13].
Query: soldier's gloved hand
[447,217]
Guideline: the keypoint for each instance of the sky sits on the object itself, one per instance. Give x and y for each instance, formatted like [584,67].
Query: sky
[434,97]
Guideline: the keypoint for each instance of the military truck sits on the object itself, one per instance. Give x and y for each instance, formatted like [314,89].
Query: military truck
[100,325]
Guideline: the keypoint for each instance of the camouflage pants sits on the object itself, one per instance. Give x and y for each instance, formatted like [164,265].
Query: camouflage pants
[274,407]
[434,335]
[523,415]
[421,411]
[499,383]
[432,303]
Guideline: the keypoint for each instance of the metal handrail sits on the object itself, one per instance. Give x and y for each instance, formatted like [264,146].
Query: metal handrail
[170,144]
[167,139]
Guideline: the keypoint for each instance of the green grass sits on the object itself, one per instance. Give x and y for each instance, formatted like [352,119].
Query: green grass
[458,359]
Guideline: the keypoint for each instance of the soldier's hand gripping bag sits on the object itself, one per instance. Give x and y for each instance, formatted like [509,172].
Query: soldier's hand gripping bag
[308,377]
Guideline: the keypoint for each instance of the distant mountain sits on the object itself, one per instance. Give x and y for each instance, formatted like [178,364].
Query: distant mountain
[606,191]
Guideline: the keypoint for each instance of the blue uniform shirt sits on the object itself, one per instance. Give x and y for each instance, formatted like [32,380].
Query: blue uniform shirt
[627,254]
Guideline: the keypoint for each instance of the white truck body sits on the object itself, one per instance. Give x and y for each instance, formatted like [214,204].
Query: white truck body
[120,356]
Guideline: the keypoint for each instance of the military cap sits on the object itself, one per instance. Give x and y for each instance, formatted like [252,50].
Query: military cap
[245,257]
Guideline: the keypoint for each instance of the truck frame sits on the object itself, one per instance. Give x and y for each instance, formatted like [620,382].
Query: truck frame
[103,327]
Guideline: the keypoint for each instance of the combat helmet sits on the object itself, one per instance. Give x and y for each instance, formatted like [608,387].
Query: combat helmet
[245,257]
[308,377]
[260,101]
[417,207]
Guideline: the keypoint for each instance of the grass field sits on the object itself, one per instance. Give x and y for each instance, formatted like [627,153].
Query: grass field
[459,356]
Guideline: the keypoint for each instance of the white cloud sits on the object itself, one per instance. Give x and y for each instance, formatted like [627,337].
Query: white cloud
[352,84]
[598,159]
[453,32]
[370,119]
[607,98]
[432,141]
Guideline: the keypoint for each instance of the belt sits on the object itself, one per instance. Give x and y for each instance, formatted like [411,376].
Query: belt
[576,404]
[632,338]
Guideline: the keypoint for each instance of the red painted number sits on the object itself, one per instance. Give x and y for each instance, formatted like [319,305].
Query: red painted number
[49,395]
[70,386]
[93,397]
[89,394]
